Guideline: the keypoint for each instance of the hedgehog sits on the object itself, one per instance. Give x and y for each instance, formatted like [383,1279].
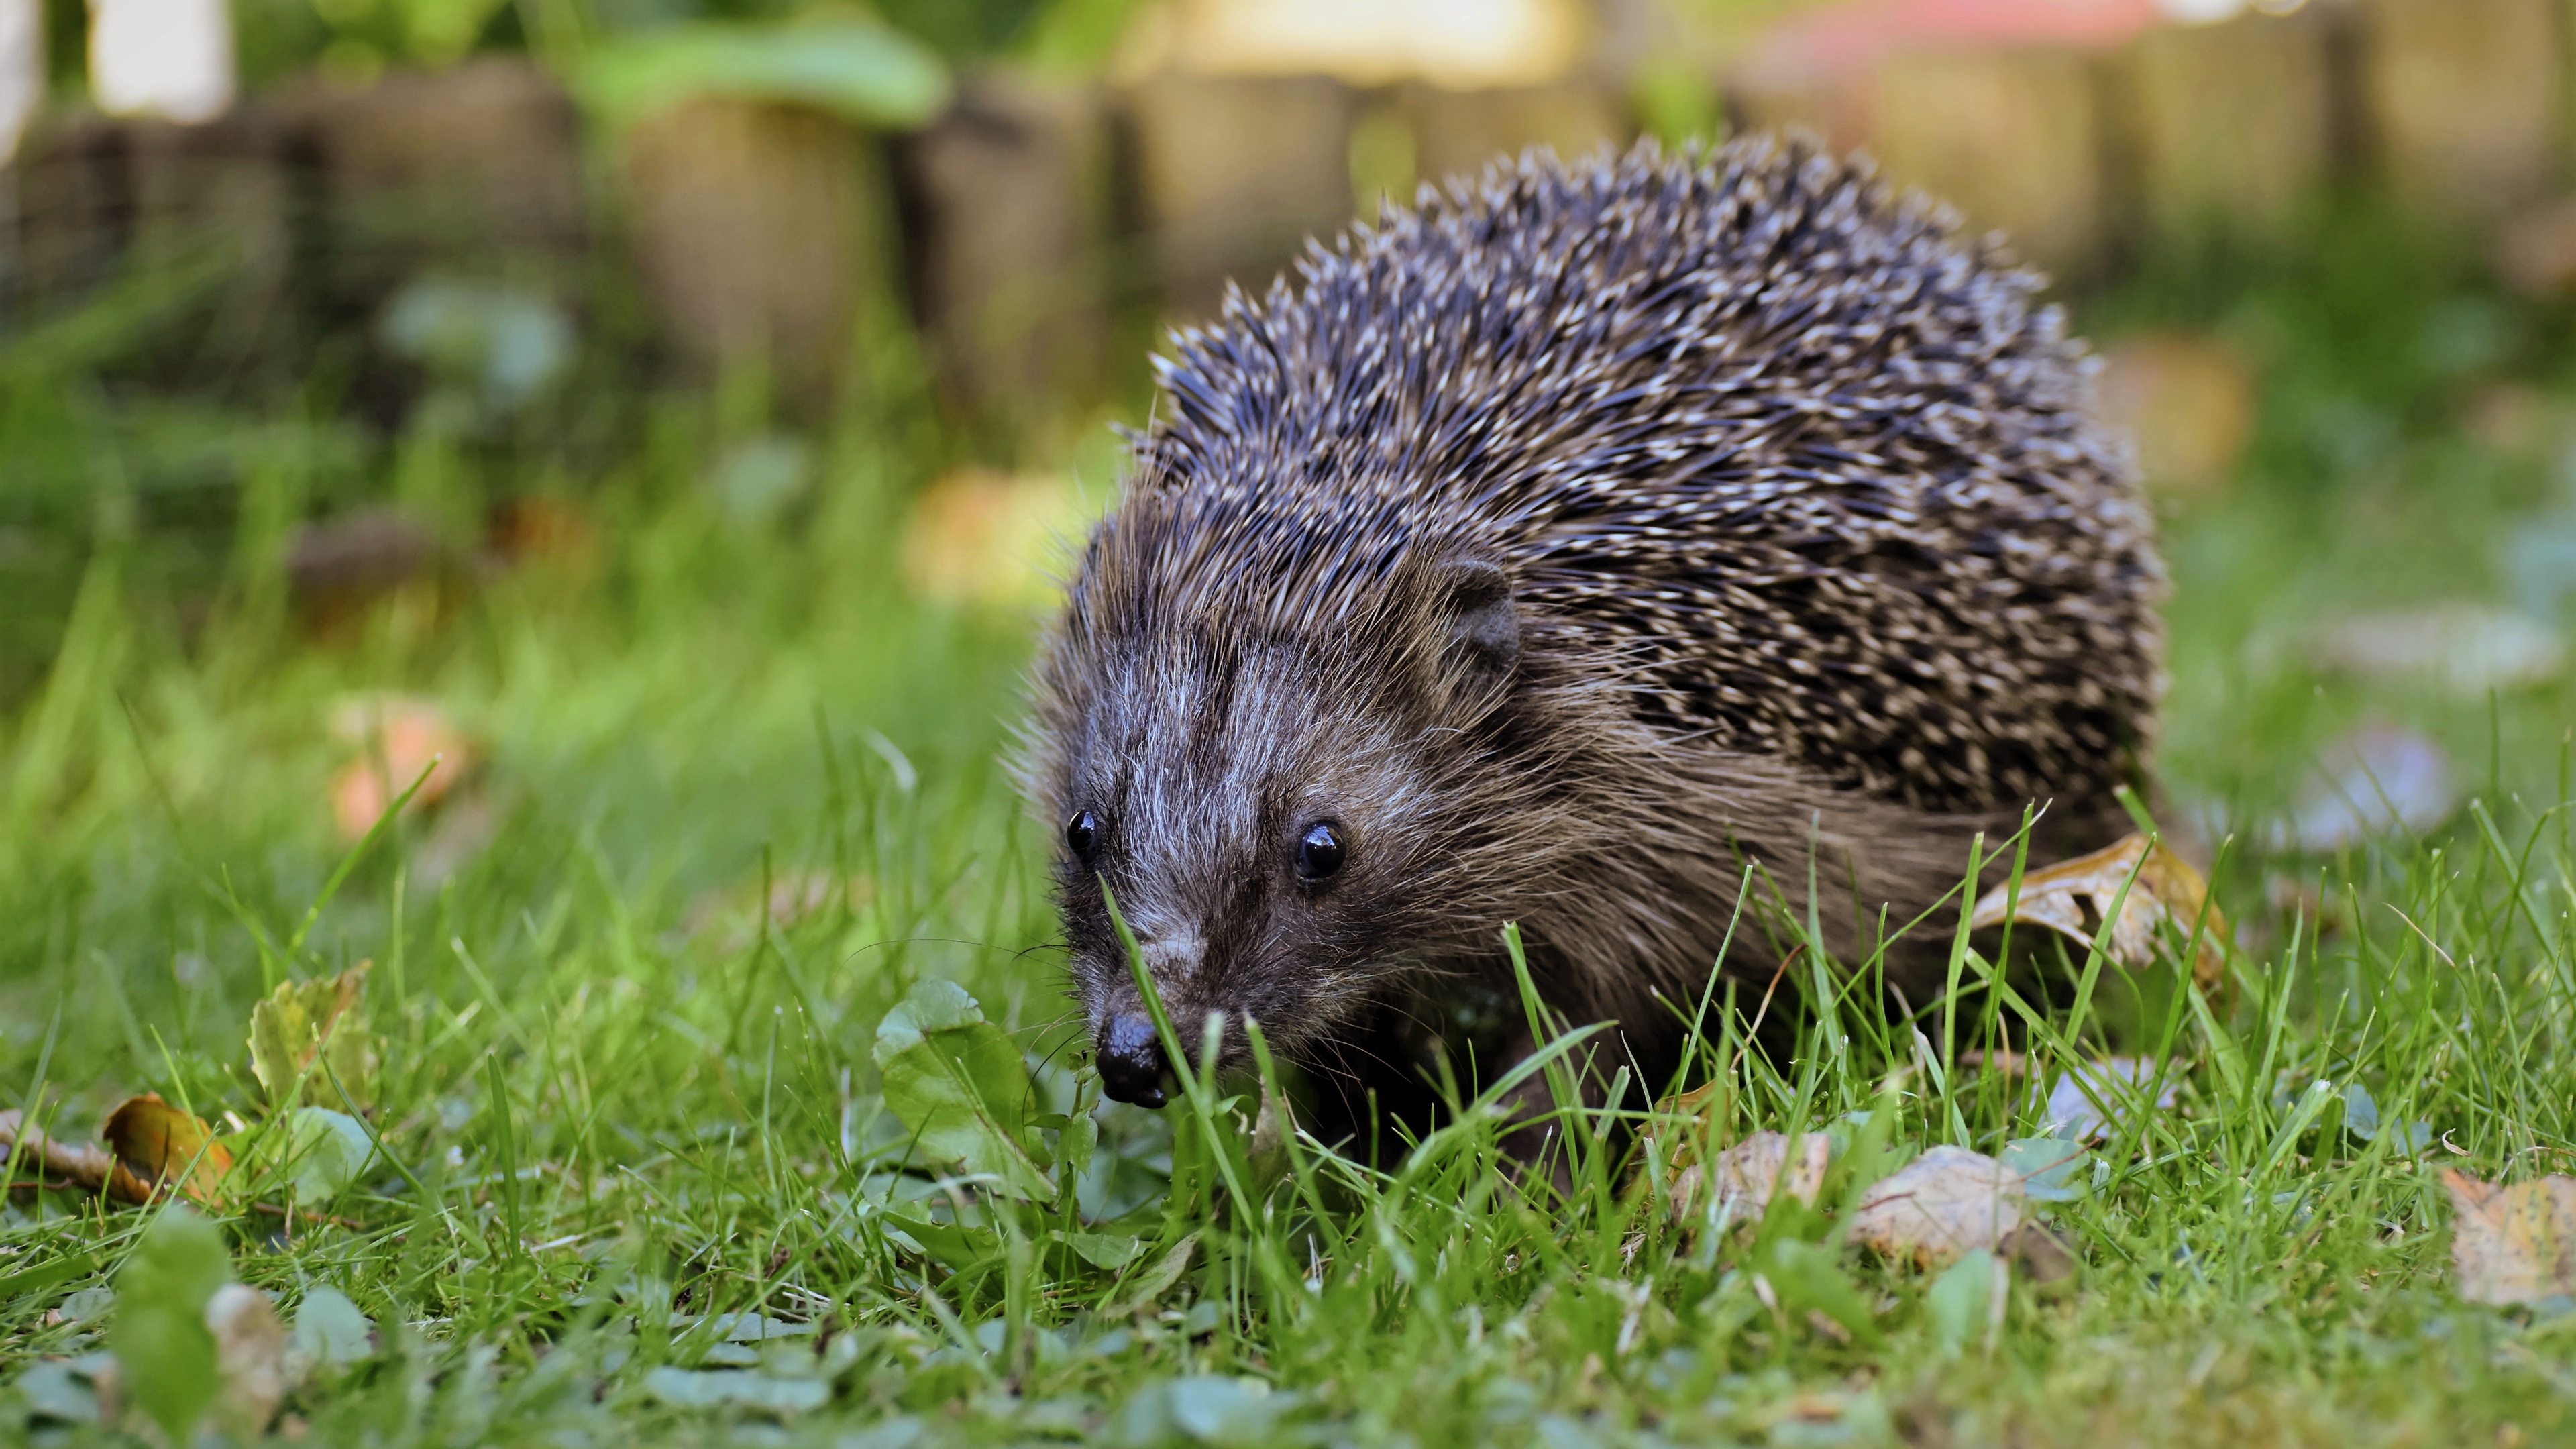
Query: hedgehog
[1618,550]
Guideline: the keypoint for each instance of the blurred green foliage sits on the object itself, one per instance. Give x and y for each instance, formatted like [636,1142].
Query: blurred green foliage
[277,39]
[863,71]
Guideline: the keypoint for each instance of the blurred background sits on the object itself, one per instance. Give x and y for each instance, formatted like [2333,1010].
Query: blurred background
[654,406]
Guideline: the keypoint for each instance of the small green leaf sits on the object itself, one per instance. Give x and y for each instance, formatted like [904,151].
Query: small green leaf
[1961,1301]
[46,1275]
[863,71]
[1074,1144]
[2048,1166]
[330,1331]
[1215,1409]
[736,1388]
[325,1152]
[64,1389]
[1811,1277]
[934,1005]
[1104,1250]
[159,1335]
[959,1248]
[959,1084]
[1157,1280]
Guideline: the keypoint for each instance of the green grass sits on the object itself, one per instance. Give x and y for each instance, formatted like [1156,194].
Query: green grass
[610,1124]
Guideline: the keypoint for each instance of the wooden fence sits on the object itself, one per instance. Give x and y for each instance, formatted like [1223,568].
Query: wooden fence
[1030,216]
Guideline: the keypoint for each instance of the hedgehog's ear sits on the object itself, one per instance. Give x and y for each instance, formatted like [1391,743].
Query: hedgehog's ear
[1483,632]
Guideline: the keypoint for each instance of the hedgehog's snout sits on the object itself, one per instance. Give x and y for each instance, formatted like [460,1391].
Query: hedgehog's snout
[1132,1068]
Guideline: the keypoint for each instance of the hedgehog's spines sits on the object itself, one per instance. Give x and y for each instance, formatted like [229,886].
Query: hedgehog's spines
[1760,380]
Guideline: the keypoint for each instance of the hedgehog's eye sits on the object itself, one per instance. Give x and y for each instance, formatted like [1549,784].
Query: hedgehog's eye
[1319,851]
[1082,835]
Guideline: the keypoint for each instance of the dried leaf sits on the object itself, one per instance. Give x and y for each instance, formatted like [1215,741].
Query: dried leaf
[1945,1203]
[335,564]
[399,738]
[156,1142]
[1744,1176]
[2535,249]
[2167,891]
[250,1356]
[301,1021]
[2512,1244]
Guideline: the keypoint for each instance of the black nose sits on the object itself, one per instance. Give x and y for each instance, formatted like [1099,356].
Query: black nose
[1131,1061]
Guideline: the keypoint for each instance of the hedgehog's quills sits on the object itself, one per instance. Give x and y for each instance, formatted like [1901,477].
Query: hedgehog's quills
[1548,554]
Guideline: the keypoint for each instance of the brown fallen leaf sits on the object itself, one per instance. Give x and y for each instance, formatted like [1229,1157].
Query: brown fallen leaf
[156,1142]
[2166,891]
[250,1356]
[398,738]
[1744,1176]
[1946,1203]
[148,1143]
[2512,1244]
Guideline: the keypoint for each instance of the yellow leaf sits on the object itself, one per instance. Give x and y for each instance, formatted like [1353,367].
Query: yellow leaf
[2166,891]
[301,1021]
[2512,1244]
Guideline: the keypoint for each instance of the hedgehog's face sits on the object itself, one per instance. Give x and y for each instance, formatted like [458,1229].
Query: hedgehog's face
[1269,817]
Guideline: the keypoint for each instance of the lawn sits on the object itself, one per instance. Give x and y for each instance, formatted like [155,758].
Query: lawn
[634,1168]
